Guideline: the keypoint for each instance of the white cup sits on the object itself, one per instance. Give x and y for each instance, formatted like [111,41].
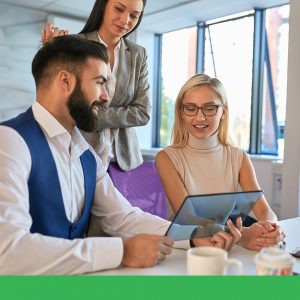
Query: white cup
[210,261]
[274,261]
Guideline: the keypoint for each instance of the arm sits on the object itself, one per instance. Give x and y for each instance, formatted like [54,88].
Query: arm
[22,252]
[171,180]
[265,232]
[137,112]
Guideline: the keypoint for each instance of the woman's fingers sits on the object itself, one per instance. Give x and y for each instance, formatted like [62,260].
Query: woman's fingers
[235,230]
[218,240]
[55,32]
[267,225]
[50,32]
[239,224]
[43,35]
[63,32]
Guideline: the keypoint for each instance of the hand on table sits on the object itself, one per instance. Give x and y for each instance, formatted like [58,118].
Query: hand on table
[261,234]
[145,250]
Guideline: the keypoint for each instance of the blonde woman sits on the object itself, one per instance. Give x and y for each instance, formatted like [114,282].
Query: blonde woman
[201,159]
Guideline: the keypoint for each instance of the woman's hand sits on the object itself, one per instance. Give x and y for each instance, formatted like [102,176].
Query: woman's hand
[261,234]
[223,239]
[50,32]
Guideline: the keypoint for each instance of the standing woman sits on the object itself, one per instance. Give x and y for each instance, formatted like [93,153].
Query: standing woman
[109,23]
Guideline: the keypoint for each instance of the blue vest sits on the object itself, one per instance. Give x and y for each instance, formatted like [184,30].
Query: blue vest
[45,197]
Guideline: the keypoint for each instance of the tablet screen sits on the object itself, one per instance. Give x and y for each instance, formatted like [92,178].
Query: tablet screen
[204,215]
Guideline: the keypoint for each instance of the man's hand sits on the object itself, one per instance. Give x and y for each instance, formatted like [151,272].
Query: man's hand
[223,239]
[50,32]
[261,234]
[145,250]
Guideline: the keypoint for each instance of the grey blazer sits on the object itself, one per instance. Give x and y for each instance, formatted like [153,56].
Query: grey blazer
[130,105]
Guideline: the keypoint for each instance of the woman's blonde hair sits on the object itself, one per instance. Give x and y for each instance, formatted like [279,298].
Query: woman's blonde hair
[179,133]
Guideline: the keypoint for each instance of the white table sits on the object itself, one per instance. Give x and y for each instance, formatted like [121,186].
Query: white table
[175,264]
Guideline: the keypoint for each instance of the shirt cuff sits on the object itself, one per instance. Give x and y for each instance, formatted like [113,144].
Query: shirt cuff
[184,244]
[107,253]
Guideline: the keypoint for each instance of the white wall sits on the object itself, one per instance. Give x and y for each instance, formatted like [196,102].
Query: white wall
[20,31]
[269,176]
[291,166]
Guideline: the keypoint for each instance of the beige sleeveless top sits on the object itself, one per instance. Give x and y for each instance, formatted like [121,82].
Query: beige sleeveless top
[206,166]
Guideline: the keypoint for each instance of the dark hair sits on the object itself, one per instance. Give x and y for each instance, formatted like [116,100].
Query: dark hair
[94,21]
[68,52]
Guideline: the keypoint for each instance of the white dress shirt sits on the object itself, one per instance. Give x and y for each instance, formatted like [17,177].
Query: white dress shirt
[106,150]
[22,252]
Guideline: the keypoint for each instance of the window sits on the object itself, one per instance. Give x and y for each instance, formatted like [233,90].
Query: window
[248,53]
[275,80]
[229,56]
[178,64]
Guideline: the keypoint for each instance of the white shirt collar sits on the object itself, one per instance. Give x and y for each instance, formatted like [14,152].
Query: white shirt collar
[47,121]
[52,128]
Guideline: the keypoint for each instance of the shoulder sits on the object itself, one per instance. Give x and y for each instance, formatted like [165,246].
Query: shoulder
[168,151]
[10,138]
[164,162]
[236,150]
[134,47]
[161,156]
[169,154]
[93,36]
[237,155]
[13,146]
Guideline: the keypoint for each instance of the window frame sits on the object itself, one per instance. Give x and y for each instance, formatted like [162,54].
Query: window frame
[260,62]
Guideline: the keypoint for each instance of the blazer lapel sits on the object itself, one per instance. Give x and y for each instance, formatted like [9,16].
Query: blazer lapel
[123,74]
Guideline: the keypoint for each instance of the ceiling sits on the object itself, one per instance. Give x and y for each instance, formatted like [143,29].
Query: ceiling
[81,8]
[21,23]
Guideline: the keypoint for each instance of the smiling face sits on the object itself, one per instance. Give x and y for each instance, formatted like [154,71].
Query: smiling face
[120,17]
[201,126]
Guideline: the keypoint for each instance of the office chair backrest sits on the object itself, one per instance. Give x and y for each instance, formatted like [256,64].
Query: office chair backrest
[141,187]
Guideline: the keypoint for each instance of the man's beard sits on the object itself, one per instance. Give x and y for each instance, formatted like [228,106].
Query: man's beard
[81,110]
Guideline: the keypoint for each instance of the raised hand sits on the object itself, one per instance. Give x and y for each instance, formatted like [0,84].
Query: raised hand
[49,32]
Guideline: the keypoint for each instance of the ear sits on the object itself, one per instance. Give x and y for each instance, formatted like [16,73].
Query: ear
[67,81]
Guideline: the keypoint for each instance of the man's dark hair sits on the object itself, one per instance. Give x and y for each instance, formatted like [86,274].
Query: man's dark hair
[68,53]
[95,19]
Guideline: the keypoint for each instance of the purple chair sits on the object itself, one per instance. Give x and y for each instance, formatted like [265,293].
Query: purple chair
[141,187]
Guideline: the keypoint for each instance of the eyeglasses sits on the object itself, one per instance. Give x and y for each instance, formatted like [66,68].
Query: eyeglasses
[208,110]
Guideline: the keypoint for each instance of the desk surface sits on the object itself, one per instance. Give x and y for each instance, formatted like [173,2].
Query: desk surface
[175,264]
